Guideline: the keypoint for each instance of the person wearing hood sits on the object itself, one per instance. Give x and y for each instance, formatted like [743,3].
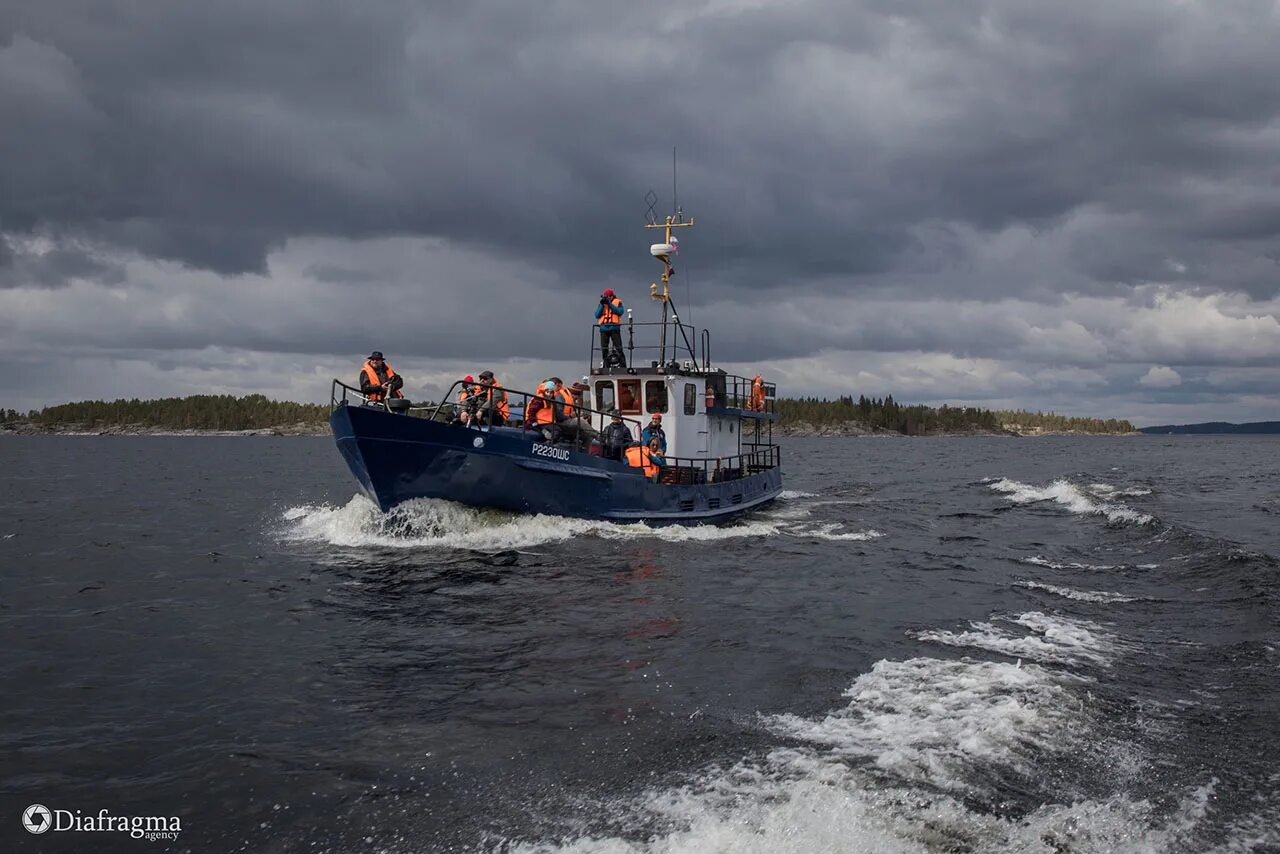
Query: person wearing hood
[615,438]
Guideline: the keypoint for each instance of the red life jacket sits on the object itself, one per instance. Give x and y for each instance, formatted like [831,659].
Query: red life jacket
[372,376]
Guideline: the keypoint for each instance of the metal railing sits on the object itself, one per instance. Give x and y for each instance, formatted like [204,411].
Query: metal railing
[681,348]
[691,470]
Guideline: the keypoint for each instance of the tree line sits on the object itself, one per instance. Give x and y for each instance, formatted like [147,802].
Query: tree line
[887,414]
[197,412]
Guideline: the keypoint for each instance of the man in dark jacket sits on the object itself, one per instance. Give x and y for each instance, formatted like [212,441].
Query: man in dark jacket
[377,378]
[615,438]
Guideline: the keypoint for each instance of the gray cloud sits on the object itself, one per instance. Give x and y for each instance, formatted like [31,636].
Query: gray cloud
[1023,187]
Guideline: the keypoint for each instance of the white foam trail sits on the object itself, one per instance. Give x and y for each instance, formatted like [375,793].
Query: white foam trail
[1079,595]
[792,494]
[1037,560]
[432,523]
[1054,639]
[1106,490]
[1065,493]
[889,773]
[931,721]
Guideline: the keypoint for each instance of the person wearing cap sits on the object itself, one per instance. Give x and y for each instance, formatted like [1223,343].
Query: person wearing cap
[653,430]
[609,319]
[616,437]
[543,413]
[493,408]
[468,401]
[377,378]
[575,425]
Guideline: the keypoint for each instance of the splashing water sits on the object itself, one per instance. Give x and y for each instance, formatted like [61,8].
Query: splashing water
[434,523]
[1068,495]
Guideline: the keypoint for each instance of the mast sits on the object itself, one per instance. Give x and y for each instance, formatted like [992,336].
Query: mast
[663,252]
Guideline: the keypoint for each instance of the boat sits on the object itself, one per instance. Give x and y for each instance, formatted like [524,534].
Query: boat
[721,458]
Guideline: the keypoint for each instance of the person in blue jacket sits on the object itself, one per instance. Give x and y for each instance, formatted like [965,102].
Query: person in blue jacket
[653,430]
[609,318]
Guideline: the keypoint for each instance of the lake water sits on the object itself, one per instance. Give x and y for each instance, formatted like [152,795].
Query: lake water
[961,644]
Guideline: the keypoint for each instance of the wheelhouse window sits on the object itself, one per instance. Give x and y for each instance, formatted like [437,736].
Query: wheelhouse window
[629,397]
[655,396]
[690,398]
[604,395]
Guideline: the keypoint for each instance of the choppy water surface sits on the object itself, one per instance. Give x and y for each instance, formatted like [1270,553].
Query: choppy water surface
[927,645]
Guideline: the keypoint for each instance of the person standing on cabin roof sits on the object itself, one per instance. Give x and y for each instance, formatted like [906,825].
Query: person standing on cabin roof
[609,319]
[653,430]
[615,438]
[377,378]
[756,403]
[493,408]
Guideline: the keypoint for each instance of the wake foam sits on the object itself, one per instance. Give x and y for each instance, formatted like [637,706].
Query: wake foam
[1047,638]
[1068,495]
[1037,560]
[433,523]
[898,770]
[1079,595]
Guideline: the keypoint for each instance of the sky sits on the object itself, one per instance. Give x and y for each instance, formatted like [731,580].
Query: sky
[1006,203]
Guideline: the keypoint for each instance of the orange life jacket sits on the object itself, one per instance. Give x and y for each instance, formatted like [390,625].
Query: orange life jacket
[611,315]
[486,392]
[546,413]
[757,393]
[567,397]
[374,381]
[639,457]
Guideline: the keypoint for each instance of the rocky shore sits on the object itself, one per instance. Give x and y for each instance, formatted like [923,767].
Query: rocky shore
[26,428]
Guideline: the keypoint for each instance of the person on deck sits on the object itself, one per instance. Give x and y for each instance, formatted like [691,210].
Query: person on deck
[576,426]
[377,378]
[468,401]
[615,438]
[609,319]
[657,453]
[492,402]
[541,413]
[653,430]
[640,457]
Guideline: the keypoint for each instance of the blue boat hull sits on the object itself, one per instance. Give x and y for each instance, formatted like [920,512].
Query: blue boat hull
[396,458]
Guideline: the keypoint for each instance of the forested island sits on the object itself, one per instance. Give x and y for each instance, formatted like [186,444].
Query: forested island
[811,416]
[867,415]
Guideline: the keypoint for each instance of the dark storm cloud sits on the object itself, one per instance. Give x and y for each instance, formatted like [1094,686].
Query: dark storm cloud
[210,134]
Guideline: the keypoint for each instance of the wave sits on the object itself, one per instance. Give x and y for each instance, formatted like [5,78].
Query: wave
[1048,638]
[434,523]
[1037,560]
[1068,495]
[1079,595]
[1106,490]
[903,767]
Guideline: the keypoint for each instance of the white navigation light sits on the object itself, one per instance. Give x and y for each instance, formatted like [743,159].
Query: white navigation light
[657,250]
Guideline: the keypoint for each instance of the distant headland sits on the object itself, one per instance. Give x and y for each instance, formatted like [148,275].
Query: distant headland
[257,415]
[1216,427]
